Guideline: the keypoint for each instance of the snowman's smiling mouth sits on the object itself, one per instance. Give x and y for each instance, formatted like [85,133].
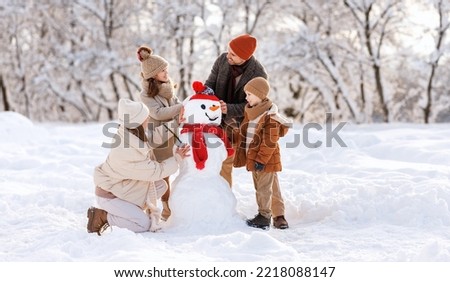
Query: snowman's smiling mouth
[211,119]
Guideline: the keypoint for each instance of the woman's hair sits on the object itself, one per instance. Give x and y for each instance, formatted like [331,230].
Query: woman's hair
[153,87]
[139,132]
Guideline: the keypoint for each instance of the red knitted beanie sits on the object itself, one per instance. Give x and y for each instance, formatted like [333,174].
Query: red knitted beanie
[244,46]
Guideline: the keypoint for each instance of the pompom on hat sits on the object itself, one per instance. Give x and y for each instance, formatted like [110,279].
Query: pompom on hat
[244,46]
[131,113]
[203,92]
[258,86]
[151,64]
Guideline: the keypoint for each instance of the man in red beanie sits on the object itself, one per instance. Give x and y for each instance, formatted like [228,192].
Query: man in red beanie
[230,73]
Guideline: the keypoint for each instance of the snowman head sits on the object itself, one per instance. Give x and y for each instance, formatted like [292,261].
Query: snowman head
[203,107]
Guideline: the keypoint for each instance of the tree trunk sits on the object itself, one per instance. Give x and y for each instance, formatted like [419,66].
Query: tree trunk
[116,94]
[127,87]
[22,78]
[23,90]
[6,105]
[251,26]
[380,92]
[434,65]
[179,42]
[427,109]
[375,66]
[191,54]
[328,64]
[362,88]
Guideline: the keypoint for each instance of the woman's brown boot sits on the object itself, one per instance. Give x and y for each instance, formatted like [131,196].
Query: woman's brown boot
[97,221]
[166,212]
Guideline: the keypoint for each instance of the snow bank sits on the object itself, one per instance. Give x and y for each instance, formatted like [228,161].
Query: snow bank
[384,197]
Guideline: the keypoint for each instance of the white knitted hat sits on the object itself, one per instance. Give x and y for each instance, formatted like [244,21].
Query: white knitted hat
[131,113]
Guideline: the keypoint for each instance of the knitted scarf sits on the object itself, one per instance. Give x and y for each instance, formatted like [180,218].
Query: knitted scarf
[257,110]
[235,71]
[166,90]
[199,150]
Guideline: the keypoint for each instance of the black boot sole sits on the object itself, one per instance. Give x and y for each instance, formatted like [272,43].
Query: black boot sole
[263,227]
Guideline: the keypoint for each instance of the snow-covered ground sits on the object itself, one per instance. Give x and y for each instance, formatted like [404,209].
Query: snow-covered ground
[384,198]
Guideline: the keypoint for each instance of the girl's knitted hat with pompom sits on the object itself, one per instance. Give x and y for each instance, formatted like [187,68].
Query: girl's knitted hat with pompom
[151,64]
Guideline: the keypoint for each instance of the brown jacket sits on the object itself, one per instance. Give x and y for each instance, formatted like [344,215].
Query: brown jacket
[264,147]
[218,80]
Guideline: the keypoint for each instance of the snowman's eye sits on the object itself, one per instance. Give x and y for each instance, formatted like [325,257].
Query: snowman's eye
[203,106]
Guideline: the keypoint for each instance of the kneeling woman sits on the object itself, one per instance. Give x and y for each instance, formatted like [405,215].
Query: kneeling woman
[130,180]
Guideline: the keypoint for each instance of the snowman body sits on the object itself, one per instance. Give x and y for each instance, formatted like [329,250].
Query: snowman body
[201,199]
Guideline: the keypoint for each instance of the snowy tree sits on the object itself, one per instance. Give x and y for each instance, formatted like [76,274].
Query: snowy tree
[316,59]
[18,39]
[443,10]
[373,20]
[106,29]
[216,18]
[358,59]
[343,50]
[69,57]
[5,43]
[424,69]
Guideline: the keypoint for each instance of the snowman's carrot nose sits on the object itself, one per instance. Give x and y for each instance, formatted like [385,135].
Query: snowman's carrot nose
[214,108]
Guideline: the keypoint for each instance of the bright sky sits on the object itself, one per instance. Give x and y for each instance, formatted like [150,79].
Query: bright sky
[423,19]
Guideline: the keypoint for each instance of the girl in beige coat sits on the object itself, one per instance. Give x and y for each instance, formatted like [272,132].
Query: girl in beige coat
[130,180]
[164,107]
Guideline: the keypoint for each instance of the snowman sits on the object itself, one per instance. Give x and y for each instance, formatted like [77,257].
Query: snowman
[200,198]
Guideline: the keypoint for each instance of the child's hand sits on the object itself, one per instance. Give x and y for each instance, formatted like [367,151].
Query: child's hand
[181,118]
[259,166]
[223,107]
[183,151]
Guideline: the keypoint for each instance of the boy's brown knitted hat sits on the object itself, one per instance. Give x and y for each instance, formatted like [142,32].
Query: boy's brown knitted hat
[259,87]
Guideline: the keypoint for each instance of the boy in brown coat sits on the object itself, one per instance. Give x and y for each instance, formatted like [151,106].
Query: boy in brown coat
[259,151]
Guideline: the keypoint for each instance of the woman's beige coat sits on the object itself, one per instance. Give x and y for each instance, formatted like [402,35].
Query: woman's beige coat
[130,169]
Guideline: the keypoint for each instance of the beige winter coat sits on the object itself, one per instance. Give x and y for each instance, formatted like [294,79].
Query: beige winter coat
[162,113]
[163,116]
[130,169]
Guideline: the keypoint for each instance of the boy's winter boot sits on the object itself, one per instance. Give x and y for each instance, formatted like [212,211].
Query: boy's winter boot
[166,212]
[259,221]
[280,222]
[97,221]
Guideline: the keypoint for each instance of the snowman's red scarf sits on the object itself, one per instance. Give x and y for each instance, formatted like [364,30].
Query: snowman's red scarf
[199,150]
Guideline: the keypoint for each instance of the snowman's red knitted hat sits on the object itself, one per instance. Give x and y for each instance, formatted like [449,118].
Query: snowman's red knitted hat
[202,92]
